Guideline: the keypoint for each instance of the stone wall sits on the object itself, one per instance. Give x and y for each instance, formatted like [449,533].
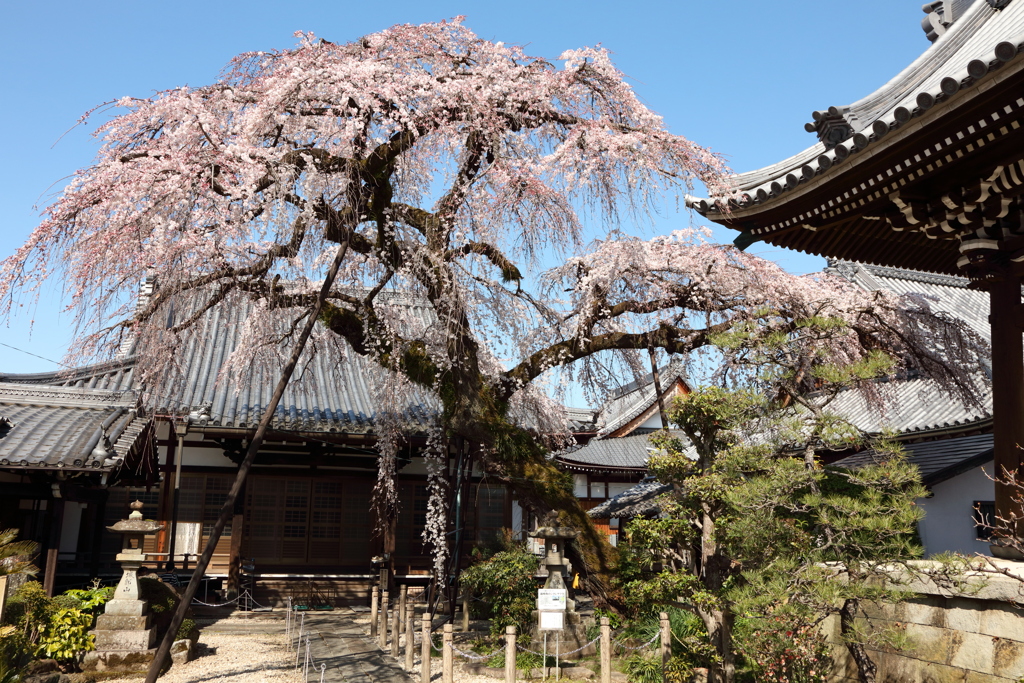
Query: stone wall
[971,636]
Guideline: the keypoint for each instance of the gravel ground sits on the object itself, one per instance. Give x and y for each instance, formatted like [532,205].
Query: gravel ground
[238,658]
[460,674]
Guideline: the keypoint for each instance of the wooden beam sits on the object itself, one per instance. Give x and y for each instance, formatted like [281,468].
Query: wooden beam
[1007,388]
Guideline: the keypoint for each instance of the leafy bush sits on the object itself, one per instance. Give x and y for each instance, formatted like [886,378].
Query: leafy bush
[187,631]
[92,599]
[65,601]
[29,608]
[13,654]
[506,584]
[643,669]
[775,651]
[66,635]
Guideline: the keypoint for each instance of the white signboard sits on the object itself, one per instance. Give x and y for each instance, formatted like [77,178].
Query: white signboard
[551,599]
[552,621]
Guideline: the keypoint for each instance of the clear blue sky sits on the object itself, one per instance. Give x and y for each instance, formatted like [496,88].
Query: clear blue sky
[741,77]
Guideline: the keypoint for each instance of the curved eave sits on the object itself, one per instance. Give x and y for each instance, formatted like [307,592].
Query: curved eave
[841,213]
[982,49]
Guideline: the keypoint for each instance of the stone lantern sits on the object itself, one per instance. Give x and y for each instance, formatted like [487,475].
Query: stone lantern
[555,537]
[572,634]
[124,637]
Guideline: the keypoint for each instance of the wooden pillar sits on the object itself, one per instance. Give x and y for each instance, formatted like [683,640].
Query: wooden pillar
[410,641]
[1007,388]
[606,650]
[403,604]
[99,507]
[374,597]
[447,655]
[382,627]
[396,628]
[510,654]
[425,649]
[235,548]
[665,648]
[55,522]
[165,506]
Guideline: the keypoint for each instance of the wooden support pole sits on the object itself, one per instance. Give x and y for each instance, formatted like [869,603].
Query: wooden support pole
[447,655]
[374,606]
[403,605]
[410,641]
[510,654]
[425,649]
[466,597]
[55,512]
[606,650]
[1007,389]
[396,628]
[382,627]
[666,641]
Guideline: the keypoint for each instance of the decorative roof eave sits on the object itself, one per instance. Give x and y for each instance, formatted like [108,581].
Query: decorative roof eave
[752,193]
[591,467]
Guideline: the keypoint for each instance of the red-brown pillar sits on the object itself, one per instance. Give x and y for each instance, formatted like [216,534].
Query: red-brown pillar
[1007,388]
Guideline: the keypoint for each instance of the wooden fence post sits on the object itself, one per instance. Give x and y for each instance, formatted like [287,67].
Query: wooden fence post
[447,656]
[466,597]
[410,641]
[510,654]
[382,628]
[403,605]
[425,649]
[396,628]
[374,599]
[606,650]
[666,641]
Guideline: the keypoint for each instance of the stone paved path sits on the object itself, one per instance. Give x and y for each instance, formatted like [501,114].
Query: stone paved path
[335,639]
[351,657]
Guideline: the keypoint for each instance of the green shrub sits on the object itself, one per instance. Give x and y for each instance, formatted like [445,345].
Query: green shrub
[65,601]
[163,600]
[187,631]
[643,669]
[29,608]
[506,584]
[92,599]
[66,635]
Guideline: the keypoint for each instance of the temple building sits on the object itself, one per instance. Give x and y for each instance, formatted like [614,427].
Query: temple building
[926,173]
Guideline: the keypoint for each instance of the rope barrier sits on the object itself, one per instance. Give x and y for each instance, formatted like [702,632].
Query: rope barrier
[472,656]
[638,647]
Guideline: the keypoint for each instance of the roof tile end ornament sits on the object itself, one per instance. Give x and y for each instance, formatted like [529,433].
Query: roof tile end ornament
[940,14]
[833,126]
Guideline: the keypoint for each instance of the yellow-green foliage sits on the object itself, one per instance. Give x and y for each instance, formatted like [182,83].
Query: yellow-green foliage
[65,635]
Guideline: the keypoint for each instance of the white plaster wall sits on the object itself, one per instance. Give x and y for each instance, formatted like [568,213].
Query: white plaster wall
[206,457]
[948,524]
[653,422]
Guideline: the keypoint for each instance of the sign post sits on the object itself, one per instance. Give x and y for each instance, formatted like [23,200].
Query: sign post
[551,605]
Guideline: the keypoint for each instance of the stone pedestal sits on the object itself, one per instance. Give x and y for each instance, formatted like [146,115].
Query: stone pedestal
[125,637]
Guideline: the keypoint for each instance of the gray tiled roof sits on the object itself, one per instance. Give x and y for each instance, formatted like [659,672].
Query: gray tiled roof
[915,406]
[945,293]
[937,460]
[335,396]
[627,452]
[66,428]
[631,400]
[639,501]
[979,42]
[918,405]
